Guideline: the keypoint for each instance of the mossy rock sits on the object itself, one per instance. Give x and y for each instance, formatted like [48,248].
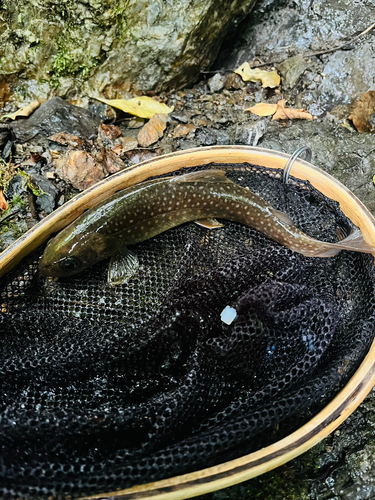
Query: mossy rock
[64,47]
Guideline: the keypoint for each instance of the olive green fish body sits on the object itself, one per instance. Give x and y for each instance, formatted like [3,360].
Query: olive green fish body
[140,212]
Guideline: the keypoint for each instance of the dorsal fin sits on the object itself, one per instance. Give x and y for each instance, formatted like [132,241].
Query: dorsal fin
[214,175]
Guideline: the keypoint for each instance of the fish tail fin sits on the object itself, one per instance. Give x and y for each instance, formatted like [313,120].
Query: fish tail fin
[354,241]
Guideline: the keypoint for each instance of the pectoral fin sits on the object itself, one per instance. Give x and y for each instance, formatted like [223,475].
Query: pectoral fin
[209,223]
[122,266]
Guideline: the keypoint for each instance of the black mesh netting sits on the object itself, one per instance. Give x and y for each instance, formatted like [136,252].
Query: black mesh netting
[103,388]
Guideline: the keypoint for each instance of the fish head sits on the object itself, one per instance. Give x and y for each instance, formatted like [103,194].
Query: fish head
[68,254]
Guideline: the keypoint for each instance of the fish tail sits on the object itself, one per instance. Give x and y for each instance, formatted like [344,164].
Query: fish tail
[355,242]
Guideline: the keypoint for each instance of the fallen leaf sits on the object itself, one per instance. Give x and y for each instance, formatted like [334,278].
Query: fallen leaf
[153,130]
[111,131]
[181,130]
[144,107]
[80,168]
[37,158]
[3,201]
[112,162]
[263,109]
[363,114]
[283,113]
[268,78]
[67,139]
[26,111]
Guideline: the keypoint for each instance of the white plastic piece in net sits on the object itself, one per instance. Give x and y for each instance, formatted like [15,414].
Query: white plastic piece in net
[228,315]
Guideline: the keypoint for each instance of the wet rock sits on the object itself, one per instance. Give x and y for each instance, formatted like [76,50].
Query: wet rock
[54,116]
[180,117]
[223,137]
[46,201]
[217,82]
[250,133]
[291,70]
[188,144]
[206,137]
[15,187]
[3,137]
[347,75]
[7,150]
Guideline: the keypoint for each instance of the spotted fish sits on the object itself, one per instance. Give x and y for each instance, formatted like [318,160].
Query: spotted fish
[152,207]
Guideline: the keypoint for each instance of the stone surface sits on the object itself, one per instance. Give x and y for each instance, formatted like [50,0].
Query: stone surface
[291,69]
[54,116]
[278,30]
[111,46]
[46,201]
[153,130]
[217,82]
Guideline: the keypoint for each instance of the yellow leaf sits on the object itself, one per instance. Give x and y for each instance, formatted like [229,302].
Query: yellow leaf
[283,113]
[144,107]
[263,109]
[268,78]
[26,111]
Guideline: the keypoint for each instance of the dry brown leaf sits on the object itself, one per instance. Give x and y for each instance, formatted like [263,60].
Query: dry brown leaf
[3,201]
[80,168]
[268,78]
[112,162]
[144,106]
[153,130]
[67,139]
[26,111]
[181,130]
[363,113]
[283,113]
[111,131]
[263,109]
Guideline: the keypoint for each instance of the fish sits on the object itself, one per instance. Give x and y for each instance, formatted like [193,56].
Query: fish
[140,212]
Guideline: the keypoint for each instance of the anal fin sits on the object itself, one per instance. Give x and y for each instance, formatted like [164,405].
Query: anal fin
[122,266]
[209,223]
[283,217]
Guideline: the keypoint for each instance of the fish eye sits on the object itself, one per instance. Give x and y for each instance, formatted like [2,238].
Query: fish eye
[70,264]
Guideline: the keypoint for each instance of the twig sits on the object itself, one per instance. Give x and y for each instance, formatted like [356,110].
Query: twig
[32,205]
[9,216]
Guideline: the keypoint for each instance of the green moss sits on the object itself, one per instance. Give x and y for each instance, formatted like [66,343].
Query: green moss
[65,64]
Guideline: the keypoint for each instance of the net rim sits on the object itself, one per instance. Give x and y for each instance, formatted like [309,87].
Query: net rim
[270,457]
